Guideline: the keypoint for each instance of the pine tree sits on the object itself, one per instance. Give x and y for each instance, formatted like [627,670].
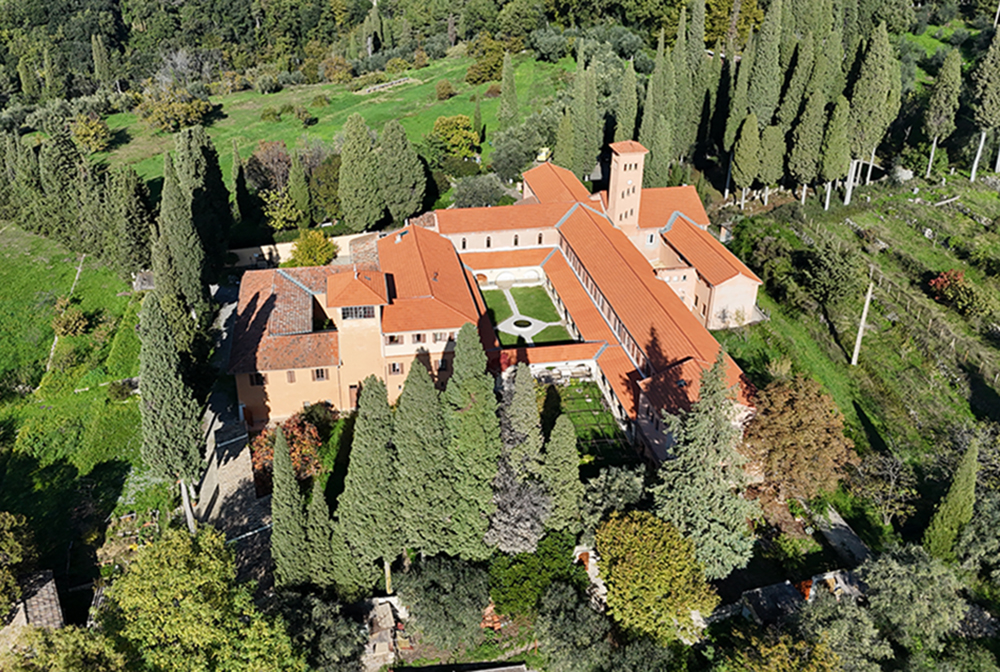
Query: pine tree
[403,179]
[130,229]
[807,142]
[986,86]
[183,243]
[765,79]
[369,508]
[772,158]
[200,176]
[955,510]
[939,118]
[298,190]
[171,431]
[289,546]
[420,436]
[565,154]
[29,80]
[520,423]
[627,106]
[746,156]
[657,172]
[360,196]
[102,69]
[475,445]
[697,491]
[507,109]
[836,152]
[562,476]
[792,100]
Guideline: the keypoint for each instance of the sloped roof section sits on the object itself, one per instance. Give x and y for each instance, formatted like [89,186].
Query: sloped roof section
[533,256]
[628,147]
[503,218]
[659,205]
[712,260]
[552,184]
[357,288]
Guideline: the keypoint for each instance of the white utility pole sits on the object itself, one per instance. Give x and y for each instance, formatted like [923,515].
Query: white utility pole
[861,327]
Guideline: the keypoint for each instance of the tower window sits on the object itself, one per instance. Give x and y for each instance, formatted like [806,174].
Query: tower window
[539,239]
[515,240]
[463,243]
[488,242]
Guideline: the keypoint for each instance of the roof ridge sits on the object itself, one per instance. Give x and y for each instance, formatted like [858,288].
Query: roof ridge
[285,275]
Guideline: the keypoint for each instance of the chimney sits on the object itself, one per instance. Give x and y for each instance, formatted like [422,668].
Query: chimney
[625,185]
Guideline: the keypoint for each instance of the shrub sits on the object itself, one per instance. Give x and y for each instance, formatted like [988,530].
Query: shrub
[320,101]
[287,108]
[478,191]
[364,81]
[119,391]
[336,69]
[444,90]
[91,132]
[397,65]
[420,59]
[305,116]
[453,135]
[313,248]
[952,288]
[270,114]
[492,91]
[171,108]
[518,582]
[303,443]
[458,167]
[69,319]
[267,83]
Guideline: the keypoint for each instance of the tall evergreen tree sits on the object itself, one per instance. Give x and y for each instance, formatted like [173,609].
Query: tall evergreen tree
[475,445]
[986,86]
[791,101]
[627,106]
[58,161]
[698,490]
[182,241]
[55,75]
[875,99]
[939,117]
[955,510]
[746,156]
[507,109]
[91,208]
[561,475]
[565,153]
[361,199]
[420,436]
[586,121]
[298,190]
[738,104]
[835,156]
[130,225]
[289,546]
[171,431]
[807,143]
[477,121]
[659,95]
[657,171]
[368,508]
[765,80]
[242,203]
[403,179]
[772,158]
[521,508]
[99,53]
[520,423]
[200,176]
[696,36]
[30,87]
[319,531]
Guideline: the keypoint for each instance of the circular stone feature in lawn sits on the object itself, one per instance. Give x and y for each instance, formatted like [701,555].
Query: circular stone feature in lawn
[522,324]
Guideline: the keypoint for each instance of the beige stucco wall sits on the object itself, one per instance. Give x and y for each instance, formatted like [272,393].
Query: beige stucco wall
[277,253]
[682,280]
[279,399]
[732,303]
[503,240]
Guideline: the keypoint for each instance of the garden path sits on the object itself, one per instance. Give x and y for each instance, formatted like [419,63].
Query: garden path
[509,325]
[52,350]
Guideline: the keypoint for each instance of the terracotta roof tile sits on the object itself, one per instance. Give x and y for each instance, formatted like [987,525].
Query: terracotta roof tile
[711,259]
[585,314]
[659,204]
[358,288]
[506,258]
[622,376]
[552,184]
[678,386]
[628,147]
[502,218]
[547,354]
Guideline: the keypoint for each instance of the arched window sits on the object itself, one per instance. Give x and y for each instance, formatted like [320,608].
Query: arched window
[539,239]
[463,243]
[515,240]
[488,241]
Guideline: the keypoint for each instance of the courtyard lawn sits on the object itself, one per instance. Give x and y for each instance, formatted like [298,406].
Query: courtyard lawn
[535,302]
[599,438]
[552,334]
[497,305]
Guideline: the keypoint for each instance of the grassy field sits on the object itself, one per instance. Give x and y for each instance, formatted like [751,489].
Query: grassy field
[415,105]
[497,305]
[535,302]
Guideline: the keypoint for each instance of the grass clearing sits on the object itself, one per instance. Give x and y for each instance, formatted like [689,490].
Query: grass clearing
[552,334]
[535,302]
[497,305]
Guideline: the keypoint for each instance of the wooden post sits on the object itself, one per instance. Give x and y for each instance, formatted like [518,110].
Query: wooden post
[188,512]
[861,327]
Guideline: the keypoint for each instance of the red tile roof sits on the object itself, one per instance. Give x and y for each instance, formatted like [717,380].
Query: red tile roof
[503,218]
[548,354]
[679,385]
[711,259]
[552,184]
[357,288]
[628,147]
[506,258]
[623,377]
[658,205]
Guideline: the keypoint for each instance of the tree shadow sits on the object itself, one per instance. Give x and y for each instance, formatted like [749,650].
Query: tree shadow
[983,398]
[875,439]
[551,409]
[119,138]
[214,115]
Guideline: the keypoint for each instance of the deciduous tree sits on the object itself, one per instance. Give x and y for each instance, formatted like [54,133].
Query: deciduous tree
[17,552]
[782,653]
[446,598]
[313,248]
[888,484]
[846,628]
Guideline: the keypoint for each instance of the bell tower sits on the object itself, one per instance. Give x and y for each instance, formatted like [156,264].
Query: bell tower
[625,185]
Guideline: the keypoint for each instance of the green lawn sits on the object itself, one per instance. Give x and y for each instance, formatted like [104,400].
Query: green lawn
[535,302]
[415,105]
[497,305]
[552,334]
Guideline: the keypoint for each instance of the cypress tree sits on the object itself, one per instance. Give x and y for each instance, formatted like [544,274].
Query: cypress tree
[200,176]
[477,120]
[627,107]
[289,547]
[658,96]
[58,160]
[955,510]
[686,112]
[352,579]
[765,79]
[696,37]
[739,103]
[807,142]
[242,203]
[836,151]
[986,87]
[657,172]
[102,69]
[520,424]
[298,190]
[791,101]
[507,109]
[521,509]
[403,179]
[772,158]
[939,118]
[586,121]
[420,436]
[55,78]
[29,80]
[565,153]
[131,225]
[319,530]
[171,430]
[182,240]
[562,476]
[475,444]
[746,156]
[369,508]
[92,207]
[361,198]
